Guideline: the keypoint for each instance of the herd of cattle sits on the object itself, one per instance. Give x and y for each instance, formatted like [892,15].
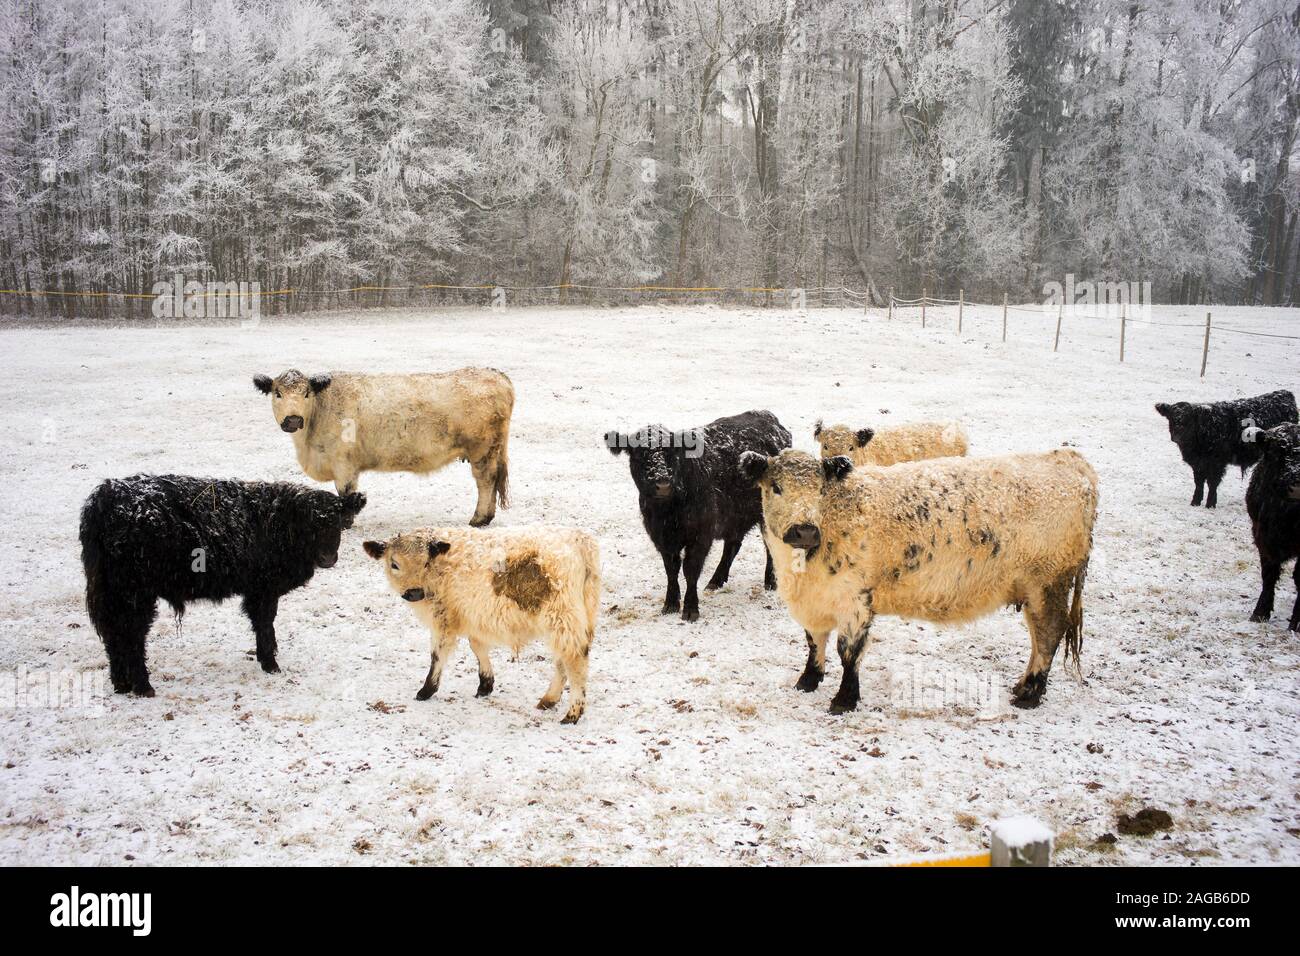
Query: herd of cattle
[896,521]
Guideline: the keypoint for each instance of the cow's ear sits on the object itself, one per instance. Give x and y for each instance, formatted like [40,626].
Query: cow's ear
[263,383]
[865,435]
[352,504]
[438,547]
[837,467]
[817,429]
[753,465]
[1163,409]
[616,443]
[319,383]
[375,549]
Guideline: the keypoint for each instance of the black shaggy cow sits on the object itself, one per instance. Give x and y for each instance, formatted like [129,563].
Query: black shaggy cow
[1210,435]
[1274,508]
[693,493]
[187,539]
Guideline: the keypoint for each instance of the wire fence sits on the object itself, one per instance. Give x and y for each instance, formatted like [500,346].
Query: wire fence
[969,316]
[1106,326]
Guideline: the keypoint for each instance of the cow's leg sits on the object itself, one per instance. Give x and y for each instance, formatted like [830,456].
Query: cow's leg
[692,564]
[769,572]
[1199,477]
[1270,569]
[261,611]
[485,477]
[815,669]
[1047,615]
[124,630]
[556,688]
[1294,623]
[1212,479]
[441,650]
[723,570]
[672,567]
[486,679]
[575,668]
[852,641]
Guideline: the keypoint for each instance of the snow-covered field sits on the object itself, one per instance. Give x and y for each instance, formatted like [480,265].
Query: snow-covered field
[695,747]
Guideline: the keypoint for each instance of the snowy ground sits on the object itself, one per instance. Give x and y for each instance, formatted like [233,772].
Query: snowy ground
[695,747]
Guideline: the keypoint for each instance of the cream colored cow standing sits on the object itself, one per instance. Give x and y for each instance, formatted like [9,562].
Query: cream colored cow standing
[915,441]
[501,588]
[946,540]
[344,423]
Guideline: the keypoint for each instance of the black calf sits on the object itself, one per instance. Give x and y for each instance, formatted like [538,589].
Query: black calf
[1209,435]
[692,493]
[186,539]
[1271,501]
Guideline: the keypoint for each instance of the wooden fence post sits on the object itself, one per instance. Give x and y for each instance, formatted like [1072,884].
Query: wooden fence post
[1020,841]
[924,293]
[1004,316]
[961,301]
[1059,313]
[1205,349]
[891,304]
[1123,327]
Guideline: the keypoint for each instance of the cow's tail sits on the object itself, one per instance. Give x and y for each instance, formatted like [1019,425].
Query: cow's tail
[590,583]
[1074,624]
[501,482]
[92,557]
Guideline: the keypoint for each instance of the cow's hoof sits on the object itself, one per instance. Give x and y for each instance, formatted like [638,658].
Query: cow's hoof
[546,704]
[1029,691]
[671,607]
[1259,617]
[1212,504]
[769,585]
[477,522]
[271,667]
[809,681]
[691,614]
[425,692]
[485,685]
[1294,625]
[714,585]
[842,706]
[572,716]
[143,690]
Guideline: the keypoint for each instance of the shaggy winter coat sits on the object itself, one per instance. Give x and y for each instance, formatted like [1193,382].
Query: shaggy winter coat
[187,539]
[915,441]
[946,540]
[501,589]
[1212,435]
[691,494]
[343,424]
[1273,502]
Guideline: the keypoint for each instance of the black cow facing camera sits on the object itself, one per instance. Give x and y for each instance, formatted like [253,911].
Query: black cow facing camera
[188,539]
[692,493]
[1213,435]
[1273,504]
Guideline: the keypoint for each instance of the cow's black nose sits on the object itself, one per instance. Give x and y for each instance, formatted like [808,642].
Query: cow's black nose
[328,560]
[804,536]
[291,423]
[413,594]
[663,488]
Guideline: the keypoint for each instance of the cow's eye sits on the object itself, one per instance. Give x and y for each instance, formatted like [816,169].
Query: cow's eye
[277,393]
[776,489]
[394,566]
